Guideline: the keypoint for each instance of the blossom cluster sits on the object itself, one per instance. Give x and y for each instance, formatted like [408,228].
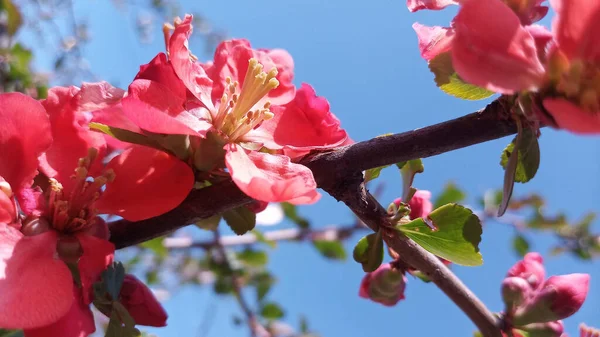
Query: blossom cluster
[497,45]
[181,124]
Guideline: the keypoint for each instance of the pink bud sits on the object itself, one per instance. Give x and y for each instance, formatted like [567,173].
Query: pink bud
[141,303]
[420,204]
[530,268]
[559,297]
[385,285]
[549,329]
[515,291]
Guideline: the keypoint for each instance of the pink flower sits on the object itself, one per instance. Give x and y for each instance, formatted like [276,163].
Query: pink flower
[573,66]
[417,5]
[530,269]
[61,225]
[245,114]
[586,331]
[141,303]
[385,285]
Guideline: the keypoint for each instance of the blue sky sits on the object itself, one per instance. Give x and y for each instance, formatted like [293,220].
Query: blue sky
[363,57]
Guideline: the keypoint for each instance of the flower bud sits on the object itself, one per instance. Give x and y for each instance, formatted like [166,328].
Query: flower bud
[385,285]
[420,204]
[530,268]
[558,298]
[549,329]
[141,303]
[515,291]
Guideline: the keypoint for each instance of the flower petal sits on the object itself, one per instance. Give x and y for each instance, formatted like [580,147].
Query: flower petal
[36,288]
[492,50]
[417,5]
[72,136]
[268,177]
[190,72]
[24,135]
[98,95]
[148,183]
[97,255]
[570,117]
[433,40]
[576,27]
[141,303]
[302,125]
[153,107]
[78,322]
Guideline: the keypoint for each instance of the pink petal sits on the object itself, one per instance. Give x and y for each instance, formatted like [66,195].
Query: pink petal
[115,117]
[72,137]
[571,117]
[433,40]
[416,5]
[231,60]
[153,107]
[492,50]
[160,70]
[271,178]
[97,255]
[24,135]
[148,183]
[78,322]
[99,95]
[576,27]
[8,212]
[302,125]
[36,288]
[190,72]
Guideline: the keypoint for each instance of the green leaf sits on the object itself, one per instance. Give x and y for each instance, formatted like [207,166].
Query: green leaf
[528,156]
[330,249]
[372,174]
[113,278]
[455,235]
[253,258]
[125,135]
[121,324]
[263,282]
[209,224]
[20,60]
[451,194]
[241,220]
[409,170]
[11,333]
[369,252]
[15,20]
[156,245]
[291,212]
[271,311]
[449,82]
[520,245]
[260,237]
[223,284]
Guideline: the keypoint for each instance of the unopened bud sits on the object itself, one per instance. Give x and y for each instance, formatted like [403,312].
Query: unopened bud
[558,298]
[141,303]
[530,268]
[515,291]
[385,285]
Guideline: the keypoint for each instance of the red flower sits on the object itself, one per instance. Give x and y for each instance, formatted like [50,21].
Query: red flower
[141,304]
[385,285]
[245,109]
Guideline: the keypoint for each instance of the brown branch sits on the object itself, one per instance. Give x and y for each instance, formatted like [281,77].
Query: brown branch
[331,168]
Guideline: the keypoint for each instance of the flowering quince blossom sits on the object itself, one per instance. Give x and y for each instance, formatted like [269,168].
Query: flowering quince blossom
[385,285]
[141,303]
[537,304]
[59,225]
[249,121]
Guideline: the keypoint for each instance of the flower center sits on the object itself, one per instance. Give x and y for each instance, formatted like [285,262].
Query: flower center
[576,80]
[235,115]
[74,211]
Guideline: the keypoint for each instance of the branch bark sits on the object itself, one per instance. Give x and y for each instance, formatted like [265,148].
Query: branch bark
[331,168]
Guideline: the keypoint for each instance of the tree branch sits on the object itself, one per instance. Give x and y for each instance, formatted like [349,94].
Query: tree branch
[330,168]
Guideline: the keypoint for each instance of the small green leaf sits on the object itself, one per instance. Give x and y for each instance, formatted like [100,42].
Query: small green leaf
[113,278]
[209,224]
[260,237]
[156,245]
[241,220]
[271,311]
[120,323]
[418,274]
[455,235]
[263,282]
[451,194]
[409,170]
[253,258]
[11,333]
[520,245]
[223,285]
[528,156]
[330,249]
[15,20]
[369,252]
[372,174]
[291,212]
[125,135]
[449,82]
